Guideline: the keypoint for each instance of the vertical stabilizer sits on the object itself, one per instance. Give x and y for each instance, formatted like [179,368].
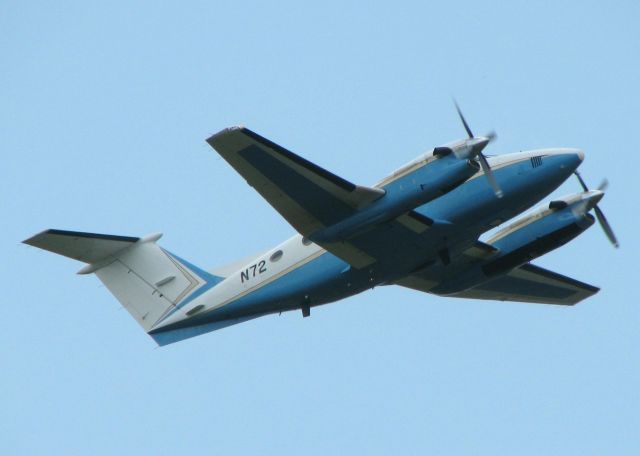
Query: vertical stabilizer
[149,282]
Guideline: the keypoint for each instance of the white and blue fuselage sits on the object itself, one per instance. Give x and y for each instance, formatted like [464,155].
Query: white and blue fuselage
[418,228]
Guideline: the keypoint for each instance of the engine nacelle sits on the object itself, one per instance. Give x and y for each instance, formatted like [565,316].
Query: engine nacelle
[424,184]
[535,235]
[545,229]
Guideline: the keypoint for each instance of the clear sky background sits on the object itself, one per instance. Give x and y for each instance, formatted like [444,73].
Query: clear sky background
[104,109]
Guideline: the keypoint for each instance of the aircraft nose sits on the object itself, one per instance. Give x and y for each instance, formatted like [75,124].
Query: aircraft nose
[571,158]
[564,160]
[576,158]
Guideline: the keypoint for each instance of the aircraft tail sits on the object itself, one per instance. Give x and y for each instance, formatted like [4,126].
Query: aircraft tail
[149,282]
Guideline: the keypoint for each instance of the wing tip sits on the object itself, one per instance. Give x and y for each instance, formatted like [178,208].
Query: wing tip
[32,240]
[225,132]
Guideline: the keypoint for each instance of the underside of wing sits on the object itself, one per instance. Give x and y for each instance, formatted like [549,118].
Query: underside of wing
[527,283]
[307,196]
[311,199]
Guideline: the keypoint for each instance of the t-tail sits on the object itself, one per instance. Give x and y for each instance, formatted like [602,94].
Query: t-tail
[149,282]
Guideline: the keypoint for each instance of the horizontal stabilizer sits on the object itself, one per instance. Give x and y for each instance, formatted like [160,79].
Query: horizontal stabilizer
[85,247]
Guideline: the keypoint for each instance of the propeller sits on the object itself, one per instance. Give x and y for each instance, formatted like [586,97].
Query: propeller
[476,145]
[602,220]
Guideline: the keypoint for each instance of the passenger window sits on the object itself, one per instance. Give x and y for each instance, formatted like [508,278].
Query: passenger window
[276,256]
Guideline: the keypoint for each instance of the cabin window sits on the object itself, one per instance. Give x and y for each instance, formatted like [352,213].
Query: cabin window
[306,241]
[276,256]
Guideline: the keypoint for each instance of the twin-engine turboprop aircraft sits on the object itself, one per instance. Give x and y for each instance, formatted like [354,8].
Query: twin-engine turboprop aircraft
[417,228]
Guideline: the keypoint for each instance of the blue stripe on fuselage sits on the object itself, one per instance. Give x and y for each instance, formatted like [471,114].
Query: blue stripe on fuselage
[322,280]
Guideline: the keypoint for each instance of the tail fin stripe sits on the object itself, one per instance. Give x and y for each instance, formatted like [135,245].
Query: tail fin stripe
[189,295]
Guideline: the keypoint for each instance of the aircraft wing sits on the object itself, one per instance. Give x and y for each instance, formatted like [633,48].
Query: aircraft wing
[306,195]
[311,198]
[527,283]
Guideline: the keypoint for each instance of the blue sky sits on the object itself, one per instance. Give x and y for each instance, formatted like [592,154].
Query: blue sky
[105,109]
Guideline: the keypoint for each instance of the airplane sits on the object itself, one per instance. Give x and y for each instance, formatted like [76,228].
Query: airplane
[418,228]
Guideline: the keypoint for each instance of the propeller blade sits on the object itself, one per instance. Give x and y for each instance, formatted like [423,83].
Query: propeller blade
[603,185]
[602,220]
[464,121]
[476,150]
[584,186]
[490,177]
[604,223]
